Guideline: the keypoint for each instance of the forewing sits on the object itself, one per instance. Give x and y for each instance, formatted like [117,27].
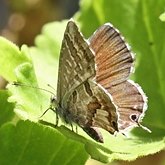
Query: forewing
[112,55]
[91,106]
[114,62]
[76,62]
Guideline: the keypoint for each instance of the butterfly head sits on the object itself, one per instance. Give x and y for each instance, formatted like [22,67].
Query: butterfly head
[53,101]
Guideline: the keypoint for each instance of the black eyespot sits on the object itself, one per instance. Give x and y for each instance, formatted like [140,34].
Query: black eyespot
[134,117]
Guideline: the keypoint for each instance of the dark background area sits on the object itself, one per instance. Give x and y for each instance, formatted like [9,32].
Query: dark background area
[21,21]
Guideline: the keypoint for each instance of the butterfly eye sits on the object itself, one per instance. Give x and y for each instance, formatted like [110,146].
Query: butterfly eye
[134,117]
[52,99]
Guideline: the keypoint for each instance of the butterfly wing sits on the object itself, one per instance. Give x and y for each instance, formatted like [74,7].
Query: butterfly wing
[81,100]
[90,106]
[76,63]
[113,57]
[114,62]
[131,103]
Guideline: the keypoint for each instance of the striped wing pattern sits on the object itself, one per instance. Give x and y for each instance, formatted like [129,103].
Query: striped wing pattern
[80,99]
[93,88]
[91,106]
[114,62]
[76,62]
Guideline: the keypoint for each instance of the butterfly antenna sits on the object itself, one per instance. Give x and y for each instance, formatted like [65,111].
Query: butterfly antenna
[25,85]
[51,87]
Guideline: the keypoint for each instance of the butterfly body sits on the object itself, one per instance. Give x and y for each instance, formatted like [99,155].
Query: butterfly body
[93,90]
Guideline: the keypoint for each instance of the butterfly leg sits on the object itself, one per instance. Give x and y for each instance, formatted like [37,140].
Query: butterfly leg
[57,119]
[50,108]
[72,127]
[46,111]
[76,129]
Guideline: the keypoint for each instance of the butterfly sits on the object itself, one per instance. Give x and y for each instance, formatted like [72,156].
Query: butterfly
[94,90]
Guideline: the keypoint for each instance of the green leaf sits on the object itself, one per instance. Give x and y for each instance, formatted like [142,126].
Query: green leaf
[145,32]
[30,101]
[10,58]
[31,143]
[150,47]
[48,48]
[93,14]
[6,109]
[162,17]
